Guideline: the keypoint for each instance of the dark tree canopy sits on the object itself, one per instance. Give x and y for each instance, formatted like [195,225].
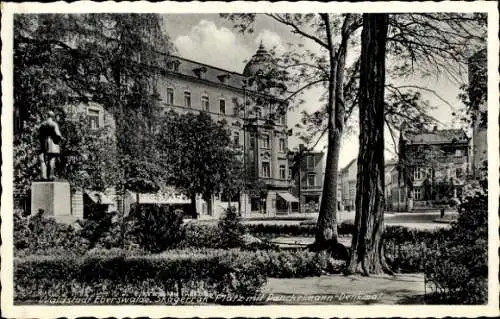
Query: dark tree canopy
[69,59]
[198,153]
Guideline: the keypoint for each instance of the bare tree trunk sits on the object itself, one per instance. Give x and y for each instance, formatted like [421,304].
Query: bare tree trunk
[367,254]
[326,229]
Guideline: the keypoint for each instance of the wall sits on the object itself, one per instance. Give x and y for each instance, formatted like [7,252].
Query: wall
[349,185]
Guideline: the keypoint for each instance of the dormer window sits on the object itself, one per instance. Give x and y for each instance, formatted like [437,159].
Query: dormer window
[173,65]
[200,72]
[223,77]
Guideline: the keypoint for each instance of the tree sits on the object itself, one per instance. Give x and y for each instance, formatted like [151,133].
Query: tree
[88,156]
[367,249]
[304,69]
[111,59]
[198,154]
[440,41]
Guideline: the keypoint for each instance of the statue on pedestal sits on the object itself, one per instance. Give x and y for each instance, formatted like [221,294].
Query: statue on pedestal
[49,137]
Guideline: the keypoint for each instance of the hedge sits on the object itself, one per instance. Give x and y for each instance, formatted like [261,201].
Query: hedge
[180,272]
[305,230]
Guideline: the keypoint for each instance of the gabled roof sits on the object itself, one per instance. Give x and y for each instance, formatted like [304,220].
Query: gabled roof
[449,136]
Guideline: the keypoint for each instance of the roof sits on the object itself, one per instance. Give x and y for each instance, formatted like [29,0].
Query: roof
[185,67]
[350,163]
[260,60]
[438,137]
[210,73]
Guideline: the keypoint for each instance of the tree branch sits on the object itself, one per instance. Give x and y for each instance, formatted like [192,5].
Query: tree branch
[296,29]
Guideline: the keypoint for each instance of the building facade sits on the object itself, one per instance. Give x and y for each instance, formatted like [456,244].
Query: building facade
[308,179]
[389,180]
[256,121]
[348,180]
[435,165]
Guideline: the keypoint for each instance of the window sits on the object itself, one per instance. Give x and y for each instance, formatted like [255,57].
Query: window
[265,141]
[174,65]
[222,106]
[93,116]
[459,172]
[417,173]
[236,138]
[252,142]
[205,103]
[281,119]
[266,169]
[458,153]
[310,161]
[352,190]
[170,96]
[289,173]
[417,193]
[311,179]
[282,172]
[254,203]
[258,113]
[282,144]
[187,99]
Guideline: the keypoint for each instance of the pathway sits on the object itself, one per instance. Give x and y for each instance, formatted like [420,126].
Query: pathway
[339,289]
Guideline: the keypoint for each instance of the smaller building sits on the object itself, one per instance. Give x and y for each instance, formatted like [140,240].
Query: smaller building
[307,171]
[389,180]
[349,178]
[433,166]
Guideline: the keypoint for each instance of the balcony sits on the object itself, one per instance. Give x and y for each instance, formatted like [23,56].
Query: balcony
[276,182]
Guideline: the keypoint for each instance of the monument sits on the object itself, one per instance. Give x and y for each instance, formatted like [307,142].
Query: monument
[47,193]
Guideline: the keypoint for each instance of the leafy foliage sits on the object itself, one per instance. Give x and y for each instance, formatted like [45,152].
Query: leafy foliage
[41,235]
[179,272]
[62,60]
[200,153]
[231,229]
[155,228]
[458,267]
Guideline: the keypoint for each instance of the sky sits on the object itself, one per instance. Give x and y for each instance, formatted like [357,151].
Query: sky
[209,39]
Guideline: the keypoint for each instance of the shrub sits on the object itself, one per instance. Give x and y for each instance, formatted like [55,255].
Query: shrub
[457,267]
[199,236]
[41,235]
[96,226]
[176,272]
[276,230]
[155,228]
[230,229]
[346,227]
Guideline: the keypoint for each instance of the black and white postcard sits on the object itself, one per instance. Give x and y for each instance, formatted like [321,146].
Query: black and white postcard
[250,159]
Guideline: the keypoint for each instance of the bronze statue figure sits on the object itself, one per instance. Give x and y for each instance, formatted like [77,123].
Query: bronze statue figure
[49,137]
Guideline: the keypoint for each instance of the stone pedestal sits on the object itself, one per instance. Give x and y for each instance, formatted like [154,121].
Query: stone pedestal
[53,197]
